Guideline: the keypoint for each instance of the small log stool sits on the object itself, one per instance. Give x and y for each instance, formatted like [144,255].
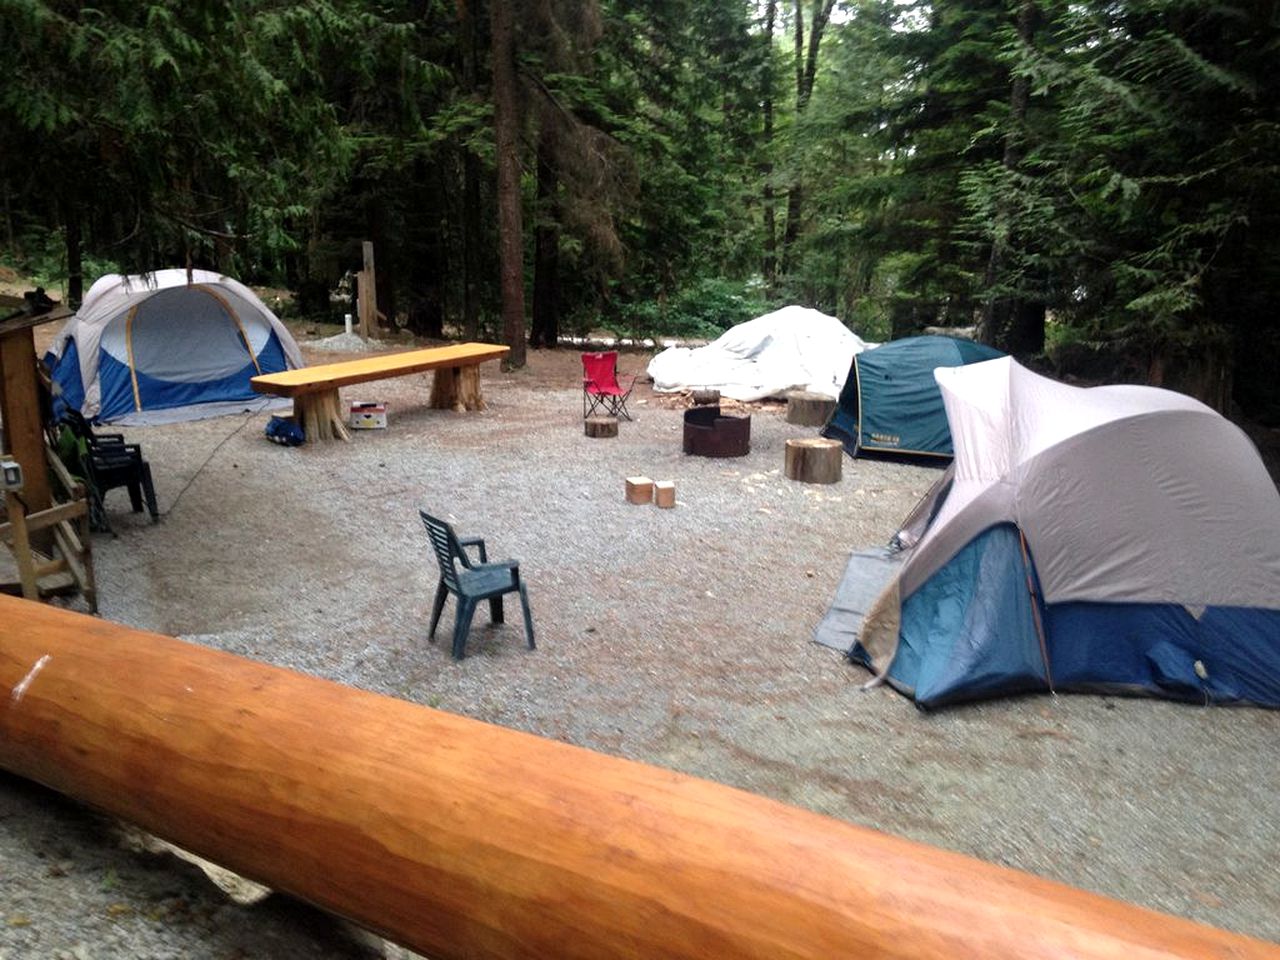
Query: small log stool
[807,409]
[664,493]
[814,460]
[639,490]
[600,426]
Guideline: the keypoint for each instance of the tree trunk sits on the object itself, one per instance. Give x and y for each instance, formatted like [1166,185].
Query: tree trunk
[471,227]
[769,266]
[506,123]
[546,245]
[806,71]
[75,268]
[10,243]
[1009,322]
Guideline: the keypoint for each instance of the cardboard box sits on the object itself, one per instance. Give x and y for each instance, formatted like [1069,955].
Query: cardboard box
[368,415]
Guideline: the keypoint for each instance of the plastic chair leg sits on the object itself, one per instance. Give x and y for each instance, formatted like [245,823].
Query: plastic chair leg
[462,626]
[528,619]
[135,496]
[437,607]
[149,491]
[495,610]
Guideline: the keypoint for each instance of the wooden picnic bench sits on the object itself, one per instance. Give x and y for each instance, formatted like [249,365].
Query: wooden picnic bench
[314,390]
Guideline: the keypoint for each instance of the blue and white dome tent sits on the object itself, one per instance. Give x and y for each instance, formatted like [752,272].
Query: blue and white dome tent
[1118,539]
[168,346]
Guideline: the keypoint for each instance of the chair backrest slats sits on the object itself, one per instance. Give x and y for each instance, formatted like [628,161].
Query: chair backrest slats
[447,549]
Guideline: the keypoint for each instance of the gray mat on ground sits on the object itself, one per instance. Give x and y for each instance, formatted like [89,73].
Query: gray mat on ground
[866,575]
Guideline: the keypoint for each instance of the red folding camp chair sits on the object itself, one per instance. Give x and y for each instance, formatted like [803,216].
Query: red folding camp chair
[600,387]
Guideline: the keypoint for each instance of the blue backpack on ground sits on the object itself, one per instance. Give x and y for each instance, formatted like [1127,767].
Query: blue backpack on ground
[285,431]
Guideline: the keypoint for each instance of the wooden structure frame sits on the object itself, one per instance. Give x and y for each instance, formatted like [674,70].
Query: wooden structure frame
[20,397]
[47,536]
[314,389]
[458,839]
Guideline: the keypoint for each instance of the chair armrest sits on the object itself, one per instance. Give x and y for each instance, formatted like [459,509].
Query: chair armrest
[477,542]
[121,456]
[512,565]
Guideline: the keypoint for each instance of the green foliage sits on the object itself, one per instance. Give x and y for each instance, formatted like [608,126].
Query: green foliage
[702,311]
[39,255]
[1111,162]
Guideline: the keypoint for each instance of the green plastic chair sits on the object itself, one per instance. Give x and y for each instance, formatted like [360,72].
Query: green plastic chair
[470,583]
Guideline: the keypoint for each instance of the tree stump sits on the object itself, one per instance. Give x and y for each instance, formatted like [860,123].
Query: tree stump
[321,416]
[809,409]
[457,389]
[702,397]
[639,490]
[600,426]
[814,460]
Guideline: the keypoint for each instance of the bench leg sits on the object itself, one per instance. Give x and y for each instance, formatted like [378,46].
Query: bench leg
[321,416]
[457,389]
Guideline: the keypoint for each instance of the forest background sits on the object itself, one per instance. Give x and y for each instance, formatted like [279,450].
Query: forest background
[1092,183]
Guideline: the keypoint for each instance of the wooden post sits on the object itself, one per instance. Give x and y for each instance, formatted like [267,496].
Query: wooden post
[367,293]
[457,838]
[813,460]
[664,494]
[807,409]
[22,546]
[23,431]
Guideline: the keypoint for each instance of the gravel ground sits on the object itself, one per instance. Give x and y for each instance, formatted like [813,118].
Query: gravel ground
[677,637]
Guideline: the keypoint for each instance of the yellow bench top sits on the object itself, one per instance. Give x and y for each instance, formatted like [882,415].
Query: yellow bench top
[330,376]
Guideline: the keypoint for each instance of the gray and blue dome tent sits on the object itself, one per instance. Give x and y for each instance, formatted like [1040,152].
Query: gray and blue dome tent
[1114,539]
[168,346]
[890,402]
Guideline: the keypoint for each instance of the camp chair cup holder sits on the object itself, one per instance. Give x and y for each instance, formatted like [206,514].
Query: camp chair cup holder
[470,582]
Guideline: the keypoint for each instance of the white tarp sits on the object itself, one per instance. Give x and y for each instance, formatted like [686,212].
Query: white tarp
[795,348]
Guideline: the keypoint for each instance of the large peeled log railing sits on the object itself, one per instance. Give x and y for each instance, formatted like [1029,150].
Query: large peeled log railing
[461,839]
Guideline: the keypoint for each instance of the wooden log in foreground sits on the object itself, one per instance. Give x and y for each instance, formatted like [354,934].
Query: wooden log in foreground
[461,839]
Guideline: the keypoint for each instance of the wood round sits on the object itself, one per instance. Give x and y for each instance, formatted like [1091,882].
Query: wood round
[814,460]
[600,426]
[809,409]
